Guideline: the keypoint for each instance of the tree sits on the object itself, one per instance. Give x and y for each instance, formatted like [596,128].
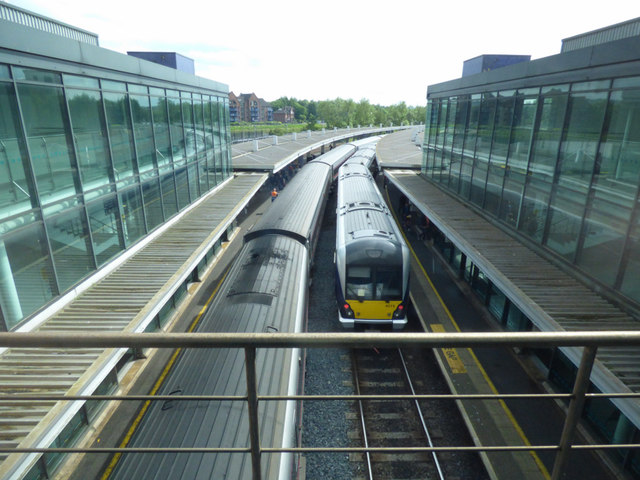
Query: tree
[342,113]
[364,113]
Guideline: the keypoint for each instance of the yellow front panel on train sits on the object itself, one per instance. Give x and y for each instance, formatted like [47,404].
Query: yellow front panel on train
[373,309]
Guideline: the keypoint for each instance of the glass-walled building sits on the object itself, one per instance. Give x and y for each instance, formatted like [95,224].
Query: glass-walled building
[551,150]
[97,149]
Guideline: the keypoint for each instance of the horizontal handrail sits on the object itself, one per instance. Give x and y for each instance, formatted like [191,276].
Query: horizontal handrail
[316,340]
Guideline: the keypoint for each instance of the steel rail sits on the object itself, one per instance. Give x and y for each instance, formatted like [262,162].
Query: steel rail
[422,420]
[356,382]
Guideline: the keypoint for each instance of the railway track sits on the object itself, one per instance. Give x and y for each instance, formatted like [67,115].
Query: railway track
[397,423]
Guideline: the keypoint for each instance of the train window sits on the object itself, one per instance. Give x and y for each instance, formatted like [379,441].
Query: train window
[389,283]
[359,283]
[373,283]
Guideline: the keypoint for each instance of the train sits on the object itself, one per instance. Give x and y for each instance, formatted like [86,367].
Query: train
[371,257]
[265,290]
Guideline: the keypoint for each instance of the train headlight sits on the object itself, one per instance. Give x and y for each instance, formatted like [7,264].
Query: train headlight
[347,312]
[399,312]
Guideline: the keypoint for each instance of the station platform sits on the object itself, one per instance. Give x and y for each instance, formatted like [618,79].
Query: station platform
[272,154]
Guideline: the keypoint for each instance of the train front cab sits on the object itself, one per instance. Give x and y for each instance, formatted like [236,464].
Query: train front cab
[372,284]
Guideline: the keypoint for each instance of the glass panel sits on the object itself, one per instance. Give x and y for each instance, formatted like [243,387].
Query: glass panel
[198,111]
[30,75]
[132,215]
[440,137]
[203,186]
[111,85]
[143,133]
[182,187]
[516,321]
[49,141]
[193,181]
[499,152]
[542,166]
[169,201]
[152,203]
[105,228]
[69,239]
[133,88]
[226,149]
[220,138]
[518,158]
[629,82]
[595,85]
[67,436]
[615,184]
[577,157]
[448,140]
[497,301]
[120,134]
[177,132]
[209,170]
[483,148]
[433,109]
[89,134]
[108,385]
[555,89]
[161,130]
[4,72]
[469,146]
[76,81]
[32,281]
[189,129]
[460,124]
[631,282]
[15,193]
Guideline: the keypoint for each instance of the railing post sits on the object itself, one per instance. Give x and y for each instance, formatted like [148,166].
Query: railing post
[252,403]
[574,413]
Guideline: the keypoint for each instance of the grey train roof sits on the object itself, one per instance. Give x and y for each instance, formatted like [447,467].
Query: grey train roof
[289,214]
[256,298]
[360,206]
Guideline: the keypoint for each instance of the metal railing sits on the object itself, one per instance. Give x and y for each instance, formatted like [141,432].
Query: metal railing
[250,342]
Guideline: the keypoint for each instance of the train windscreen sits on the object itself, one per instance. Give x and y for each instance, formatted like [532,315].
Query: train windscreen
[373,283]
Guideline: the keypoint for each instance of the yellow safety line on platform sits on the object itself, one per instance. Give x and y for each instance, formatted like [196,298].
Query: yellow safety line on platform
[116,457]
[450,354]
[494,390]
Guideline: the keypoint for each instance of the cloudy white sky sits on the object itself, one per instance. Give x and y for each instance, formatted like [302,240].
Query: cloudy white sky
[386,52]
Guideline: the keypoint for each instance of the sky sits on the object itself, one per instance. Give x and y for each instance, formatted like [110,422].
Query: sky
[386,52]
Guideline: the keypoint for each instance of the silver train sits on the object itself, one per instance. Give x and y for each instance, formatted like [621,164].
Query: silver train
[265,290]
[372,258]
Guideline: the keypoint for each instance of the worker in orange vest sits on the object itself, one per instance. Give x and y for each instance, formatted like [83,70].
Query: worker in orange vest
[274,194]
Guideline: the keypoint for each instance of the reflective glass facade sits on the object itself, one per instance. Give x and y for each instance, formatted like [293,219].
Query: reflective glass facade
[89,166]
[559,163]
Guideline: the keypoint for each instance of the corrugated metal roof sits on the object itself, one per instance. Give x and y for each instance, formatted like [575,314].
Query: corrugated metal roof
[26,18]
[549,297]
[619,31]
